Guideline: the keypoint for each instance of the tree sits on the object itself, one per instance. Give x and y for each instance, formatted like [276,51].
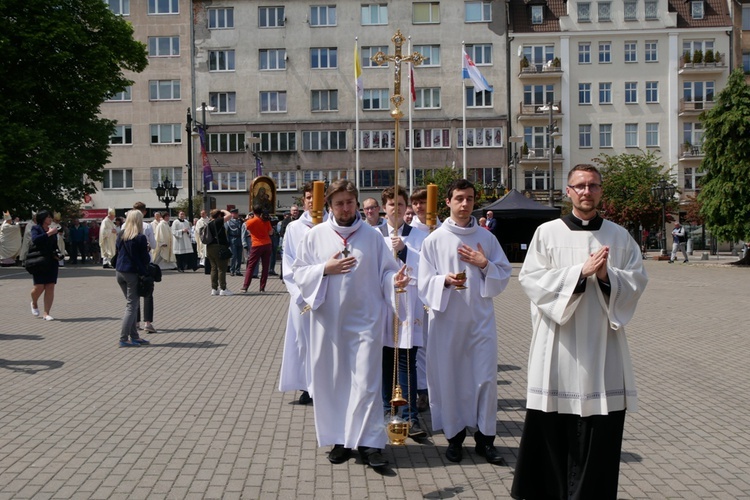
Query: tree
[725,192]
[443,177]
[626,189]
[60,59]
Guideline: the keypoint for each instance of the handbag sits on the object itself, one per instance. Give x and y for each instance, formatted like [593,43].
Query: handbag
[154,271]
[224,253]
[36,261]
[145,286]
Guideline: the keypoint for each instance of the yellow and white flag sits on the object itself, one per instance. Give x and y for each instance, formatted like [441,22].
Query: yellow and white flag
[358,73]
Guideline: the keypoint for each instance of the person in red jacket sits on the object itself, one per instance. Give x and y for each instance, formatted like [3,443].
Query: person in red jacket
[260,231]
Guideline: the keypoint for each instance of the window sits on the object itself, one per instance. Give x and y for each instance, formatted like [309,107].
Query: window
[323,15]
[652,9]
[285,181]
[690,46]
[631,92]
[478,99]
[431,54]
[320,175]
[538,95]
[605,135]
[376,139]
[273,101]
[166,133]
[325,100]
[693,133]
[605,93]
[224,102]
[324,140]
[652,92]
[221,60]
[584,136]
[229,181]
[119,7]
[631,135]
[271,17]
[373,14]
[324,58]
[425,13]
[277,141]
[537,14]
[369,52]
[535,180]
[481,54]
[652,135]
[536,139]
[272,59]
[652,51]
[164,46]
[173,173]
[605,52]
[584,53]
[478,12]
[163,6]
[745,17]
[428,98]
[222,18]
[746,62]
[584,93]
[584,12]
[698,91]
[123,134]
[488,137]
[375,99]
[118,178]
[696,9]
[125,95]
[164,90]
[430,138]
[226,142]
[631,52]
[693,177]
[631,10]
[376,178]
[538,55]
[604,11]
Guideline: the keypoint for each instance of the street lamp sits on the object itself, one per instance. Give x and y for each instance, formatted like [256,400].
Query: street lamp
[200,125]
[189,130]
[663,191]
[492,186]
[552,133]
[166,192]
[513,163]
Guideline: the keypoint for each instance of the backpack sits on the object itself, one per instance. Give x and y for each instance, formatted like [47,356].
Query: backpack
[207,236]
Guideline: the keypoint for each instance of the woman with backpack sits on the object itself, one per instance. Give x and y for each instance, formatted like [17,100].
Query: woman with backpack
[214,236]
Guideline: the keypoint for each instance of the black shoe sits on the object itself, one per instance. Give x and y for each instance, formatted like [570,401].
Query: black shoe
[339,454]
[373,457]
[305,398]
[489,452]
[670,261]
[416,431]
[454,452]
[684,261]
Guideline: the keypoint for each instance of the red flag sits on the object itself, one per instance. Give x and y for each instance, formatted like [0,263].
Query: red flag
[411,84]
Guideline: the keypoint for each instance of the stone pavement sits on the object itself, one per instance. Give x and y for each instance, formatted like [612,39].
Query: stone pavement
[197,414]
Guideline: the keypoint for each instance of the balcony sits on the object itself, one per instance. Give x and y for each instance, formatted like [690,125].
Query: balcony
[536,156]
[716,64]
[539,72]
[688,152]
[689,107]
[530,112]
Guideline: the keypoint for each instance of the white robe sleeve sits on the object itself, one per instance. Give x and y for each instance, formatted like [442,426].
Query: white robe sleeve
[308,273]
[628,281]
[431,285]
[288,256]
[497,273]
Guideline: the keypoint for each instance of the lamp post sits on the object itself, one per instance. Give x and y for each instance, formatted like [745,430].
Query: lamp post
[189,130]
[663,191]
[166,192]
[513,163]
[492,186]
[202,125]
[552,132]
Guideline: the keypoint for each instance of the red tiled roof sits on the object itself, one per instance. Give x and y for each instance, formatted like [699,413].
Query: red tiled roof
[715,13]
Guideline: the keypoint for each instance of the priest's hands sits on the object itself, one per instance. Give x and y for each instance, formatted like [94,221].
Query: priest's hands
[336,265]
[451,280]
[471,256]
[597,264]
[401,278]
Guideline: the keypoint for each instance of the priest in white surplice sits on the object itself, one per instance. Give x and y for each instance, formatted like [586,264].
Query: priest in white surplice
[163,255]
[182,244]
[200,247]
[295,367]
[584,276]
[462,344]
[10,240]
[345,275]
[108,238]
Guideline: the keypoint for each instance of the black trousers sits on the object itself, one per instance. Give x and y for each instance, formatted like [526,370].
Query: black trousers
[564,456]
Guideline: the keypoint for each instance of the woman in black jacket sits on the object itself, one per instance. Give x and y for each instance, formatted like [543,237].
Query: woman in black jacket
[132,262]
[44,239]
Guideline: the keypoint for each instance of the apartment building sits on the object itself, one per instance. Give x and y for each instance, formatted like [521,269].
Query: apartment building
[621,77]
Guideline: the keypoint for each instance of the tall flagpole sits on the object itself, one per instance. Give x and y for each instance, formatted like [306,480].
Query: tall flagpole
[411,130]
[463,82]
[356,112]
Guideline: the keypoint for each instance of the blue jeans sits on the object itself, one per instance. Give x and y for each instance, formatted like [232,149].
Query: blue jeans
[129,285]
[235,245]
[407,380]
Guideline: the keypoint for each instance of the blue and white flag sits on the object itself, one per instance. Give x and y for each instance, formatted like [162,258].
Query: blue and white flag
[470,70]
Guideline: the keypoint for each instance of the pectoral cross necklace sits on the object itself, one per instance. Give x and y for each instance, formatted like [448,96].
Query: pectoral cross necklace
[346,250]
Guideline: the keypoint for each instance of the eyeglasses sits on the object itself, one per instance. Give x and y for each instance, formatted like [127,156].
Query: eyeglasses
[367,209]
[581,188]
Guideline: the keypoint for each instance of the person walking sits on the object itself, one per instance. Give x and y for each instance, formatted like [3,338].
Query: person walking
[108,238]
[260,231]
[216,251]
[679,240]
[132,261]
[44,240]
[148,301]
[234,236]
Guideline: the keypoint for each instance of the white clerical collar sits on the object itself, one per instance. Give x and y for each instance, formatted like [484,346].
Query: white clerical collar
[346,230]
[454,228]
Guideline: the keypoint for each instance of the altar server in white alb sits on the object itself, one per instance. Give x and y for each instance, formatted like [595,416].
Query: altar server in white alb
[163,254]
[295,367]
[345,274]
[181,243]
[584,276]
[108,238]
[462,344]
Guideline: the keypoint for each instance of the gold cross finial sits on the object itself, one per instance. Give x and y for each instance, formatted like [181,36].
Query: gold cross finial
[381,58]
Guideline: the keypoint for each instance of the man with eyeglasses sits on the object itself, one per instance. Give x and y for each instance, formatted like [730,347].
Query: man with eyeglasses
[584,276]
[372,212]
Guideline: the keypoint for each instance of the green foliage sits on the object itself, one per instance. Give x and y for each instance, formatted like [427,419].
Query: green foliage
[182,206]
[626,189]
[725,191]
[60,60]
[443,177]
[698,56]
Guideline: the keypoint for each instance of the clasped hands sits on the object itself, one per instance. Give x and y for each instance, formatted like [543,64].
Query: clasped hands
[597,264]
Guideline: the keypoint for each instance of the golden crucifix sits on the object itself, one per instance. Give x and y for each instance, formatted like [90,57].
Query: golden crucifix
[397,99]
